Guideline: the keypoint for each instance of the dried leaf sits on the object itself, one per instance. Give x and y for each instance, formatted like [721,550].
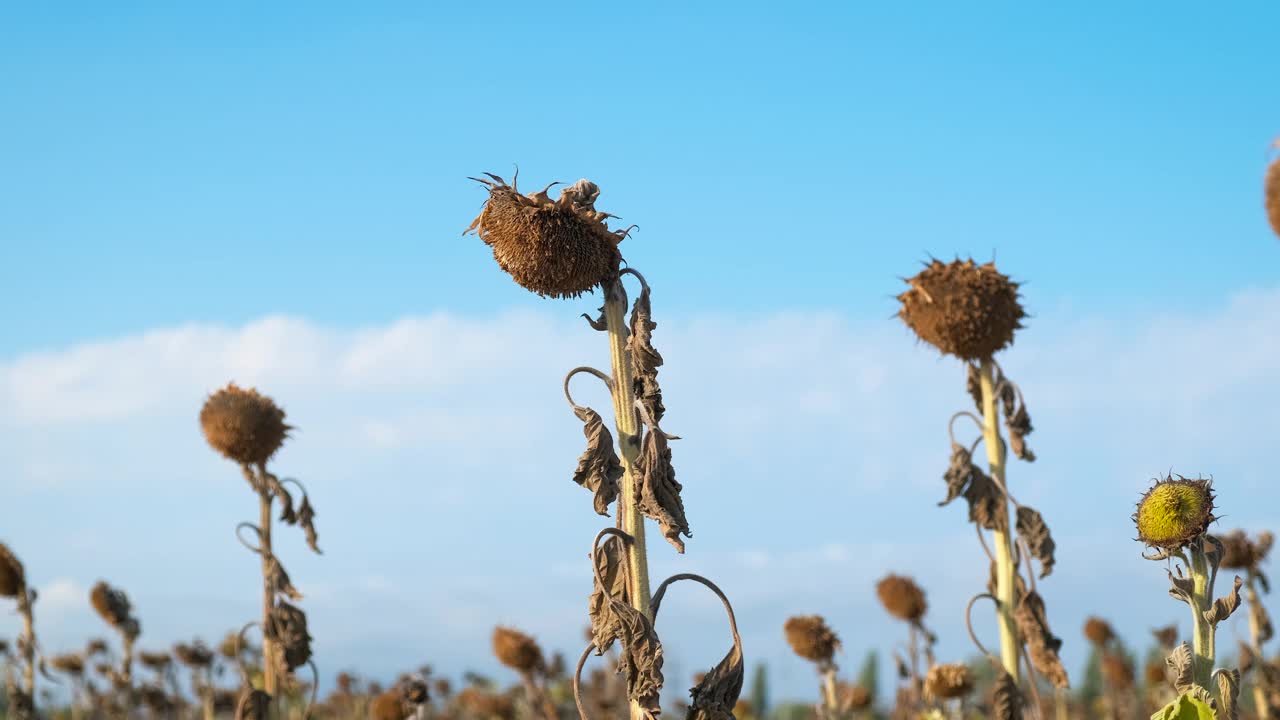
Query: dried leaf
[973,384]
[597,323]
[1042,645]
[1263,621]
[287,515]
[1224,606]
[958,473]
[645,360]
[716,694]
[306,518]
[610,560]
[1229,691]
[1019,427]
[286,627]
[1181,666]
[599,468]
[641,658]
[657,490]
[1006,699]
[986,502]
[281,582]
[1033,530]
[1181,587]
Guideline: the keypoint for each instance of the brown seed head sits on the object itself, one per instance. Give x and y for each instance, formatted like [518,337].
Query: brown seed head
[230,646]
[286,627]
[1117,671]
[963,309]
[1272,195]
[195,655]
[388,706]
[112,605]
[96,646]
[1155,673]
[414,691]
[1098,631]
[71,663]
[811,639]
[1174,512]
[1241,553]
[947,681]
[157,661]
[516,650]
[902,598]
[13,578]
[559,248]
[243,425]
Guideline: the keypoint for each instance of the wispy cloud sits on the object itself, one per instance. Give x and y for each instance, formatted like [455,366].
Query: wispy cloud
[438,451]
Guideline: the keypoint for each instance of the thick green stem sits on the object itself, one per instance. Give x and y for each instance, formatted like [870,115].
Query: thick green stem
[1003,548]
[268,591]
[628,427]
[1203,631]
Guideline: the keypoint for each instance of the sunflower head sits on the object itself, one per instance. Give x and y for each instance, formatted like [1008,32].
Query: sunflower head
[811,639]
[1175,511]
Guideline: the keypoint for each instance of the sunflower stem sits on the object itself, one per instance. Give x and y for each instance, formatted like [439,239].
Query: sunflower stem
[1262,707]
[829,697]
[29,642]
[630,519]
[268,591]
[1004,553]
[1201,600]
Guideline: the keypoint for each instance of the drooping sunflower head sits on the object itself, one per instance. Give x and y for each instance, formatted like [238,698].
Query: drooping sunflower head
[963,309]
[948,680]
[517,650]
[1175,511]
[1098,631]
[902,597]
[12,576]
[811,639]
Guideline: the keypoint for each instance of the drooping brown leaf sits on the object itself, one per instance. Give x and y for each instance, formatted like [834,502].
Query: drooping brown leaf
[1181,666]
[645,360]
[599,468]
[1229,691]
[958,473]
[281,582]
[1224,606]
[287,514]
[286,627]
[611,566]
[1019,426]
[641,658]
[1042,645]
[598,322]
[657,490]
[306,518]
[1033,530]
[986,502]
[973,384]
[1006,699]
[715,696]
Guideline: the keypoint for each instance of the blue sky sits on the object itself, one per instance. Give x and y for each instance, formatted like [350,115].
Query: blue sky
[276,195]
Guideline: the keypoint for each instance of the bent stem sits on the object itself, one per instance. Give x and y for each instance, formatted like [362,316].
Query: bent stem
[1004,553]
[630,520]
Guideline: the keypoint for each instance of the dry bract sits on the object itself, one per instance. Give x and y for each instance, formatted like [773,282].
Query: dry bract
[902,598]
[811,639]
[947,681]
[556,248]
[243,425]
[516,650]
[963,309]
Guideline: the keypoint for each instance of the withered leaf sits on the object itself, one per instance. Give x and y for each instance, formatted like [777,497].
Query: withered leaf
[1181,667]
[281,582]
[958,473]
[716,694]
[1019,585]
[597,323]
[1042,645]
[1229,691]
[1224,606]
[641,658]
[986,502]
[1033,530]
[611,565]
[1019,427]
[645,360]
[973,384]
[253,705]
[1006,699]
[306,518]
[657,490]
[1181,587]
[287,514]
[599,468]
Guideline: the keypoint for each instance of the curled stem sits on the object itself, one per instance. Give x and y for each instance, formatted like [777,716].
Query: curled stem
[968,624]
[590,371]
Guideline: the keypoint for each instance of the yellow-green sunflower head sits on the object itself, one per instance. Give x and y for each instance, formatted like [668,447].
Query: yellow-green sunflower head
[1174,512]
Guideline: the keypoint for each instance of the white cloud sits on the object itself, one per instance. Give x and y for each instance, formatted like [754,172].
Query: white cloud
[438,451]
